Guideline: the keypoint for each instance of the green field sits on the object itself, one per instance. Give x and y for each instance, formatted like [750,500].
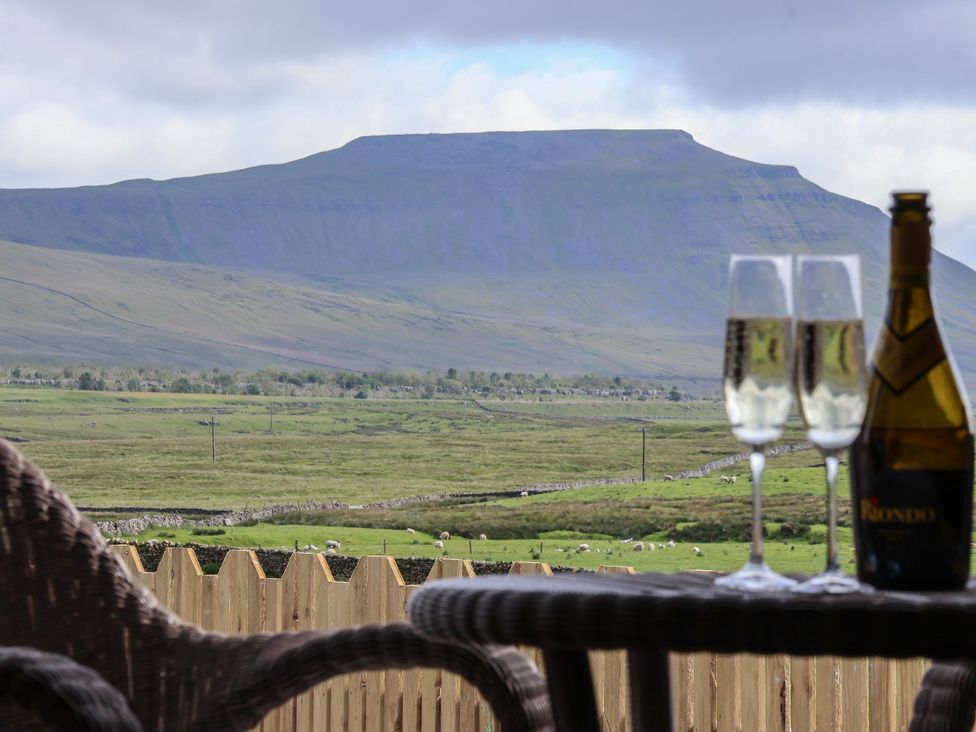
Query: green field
[116,449]
[113,450]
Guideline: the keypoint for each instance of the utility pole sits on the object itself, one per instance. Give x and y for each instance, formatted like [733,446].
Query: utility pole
[213,439]
[643,454]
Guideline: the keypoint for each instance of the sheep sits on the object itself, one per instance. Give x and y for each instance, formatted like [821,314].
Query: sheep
[626,541]
[732,479]
[438,544]
[482,537]
[660,546]
[330,552]
[722,479]
[524,494]
[671,544]
[310,548]
[445,535]
[330,544]
[696,550]
[650,546]
[411,531]
[669,477]
[638,546]
[583,548]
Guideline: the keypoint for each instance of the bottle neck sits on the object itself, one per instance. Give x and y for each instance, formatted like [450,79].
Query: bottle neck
[911,252]
[909,299]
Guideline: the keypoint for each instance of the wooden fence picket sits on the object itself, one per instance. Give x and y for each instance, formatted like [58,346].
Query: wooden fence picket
[342,688]
[881,695]
[778,693]
[610,676]
[532,569]
[441,691]
[304,605]
[726,715]
[282,718]
[854,696]
[239,594]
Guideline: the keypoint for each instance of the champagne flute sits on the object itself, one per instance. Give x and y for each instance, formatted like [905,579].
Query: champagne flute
[831,381]
[758,385]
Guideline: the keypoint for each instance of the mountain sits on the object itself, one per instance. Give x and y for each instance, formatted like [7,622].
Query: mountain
[560,251]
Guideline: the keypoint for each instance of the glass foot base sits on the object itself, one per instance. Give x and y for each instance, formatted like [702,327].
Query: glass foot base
[833,582]
[756,577]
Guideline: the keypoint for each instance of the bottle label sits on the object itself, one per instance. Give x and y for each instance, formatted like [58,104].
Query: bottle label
[912,527]
[901,360]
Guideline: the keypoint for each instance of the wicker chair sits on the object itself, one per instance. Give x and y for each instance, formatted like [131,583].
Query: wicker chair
[62,591]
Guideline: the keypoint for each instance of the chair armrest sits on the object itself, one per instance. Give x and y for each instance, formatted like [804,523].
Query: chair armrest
[946,700]
[288,664]
[62,693]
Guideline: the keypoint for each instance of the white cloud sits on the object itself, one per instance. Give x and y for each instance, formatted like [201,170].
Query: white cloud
[171,89]
[861,153]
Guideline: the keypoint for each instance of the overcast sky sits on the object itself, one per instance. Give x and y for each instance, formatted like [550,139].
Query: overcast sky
[863,97]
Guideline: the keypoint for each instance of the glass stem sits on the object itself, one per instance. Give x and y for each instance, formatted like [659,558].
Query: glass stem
[833,558]
[757,461]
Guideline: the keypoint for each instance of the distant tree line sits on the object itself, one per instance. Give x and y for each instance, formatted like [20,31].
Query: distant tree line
[315,382]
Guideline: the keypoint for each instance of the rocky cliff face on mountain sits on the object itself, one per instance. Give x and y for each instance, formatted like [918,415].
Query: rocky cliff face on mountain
[623,234]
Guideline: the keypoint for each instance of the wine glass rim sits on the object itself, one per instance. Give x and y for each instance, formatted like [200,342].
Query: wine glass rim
[853,258]
[733,258]
[784,267]
[851,261]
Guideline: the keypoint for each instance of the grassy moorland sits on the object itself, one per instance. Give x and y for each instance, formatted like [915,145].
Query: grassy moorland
[118,449]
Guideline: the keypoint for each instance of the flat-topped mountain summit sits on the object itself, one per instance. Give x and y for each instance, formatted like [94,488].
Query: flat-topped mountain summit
[615,240]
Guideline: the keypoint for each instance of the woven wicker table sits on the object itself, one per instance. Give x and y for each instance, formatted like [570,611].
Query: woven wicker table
[651,614]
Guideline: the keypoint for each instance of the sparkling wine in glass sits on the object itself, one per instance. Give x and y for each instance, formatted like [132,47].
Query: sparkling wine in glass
[830,381]
[758,385]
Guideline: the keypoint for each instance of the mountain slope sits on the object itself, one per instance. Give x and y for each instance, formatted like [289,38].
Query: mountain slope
[560,251]
[66,307]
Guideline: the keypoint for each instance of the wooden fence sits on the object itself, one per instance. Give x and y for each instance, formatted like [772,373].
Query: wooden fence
[710,692]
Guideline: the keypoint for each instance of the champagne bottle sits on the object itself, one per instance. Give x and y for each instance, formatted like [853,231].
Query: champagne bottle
[912,463]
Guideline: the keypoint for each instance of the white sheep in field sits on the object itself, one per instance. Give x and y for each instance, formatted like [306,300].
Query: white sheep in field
[411,531]
[696,550]
[650,546]
[670,544]
[626,541]
[583,548]
[330,544]
[330,552]
[732,479]
[310,548]
[724,479]
[482,537]
[638,546]
[669,477]
[445,535]
[438,544]
[524,494]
